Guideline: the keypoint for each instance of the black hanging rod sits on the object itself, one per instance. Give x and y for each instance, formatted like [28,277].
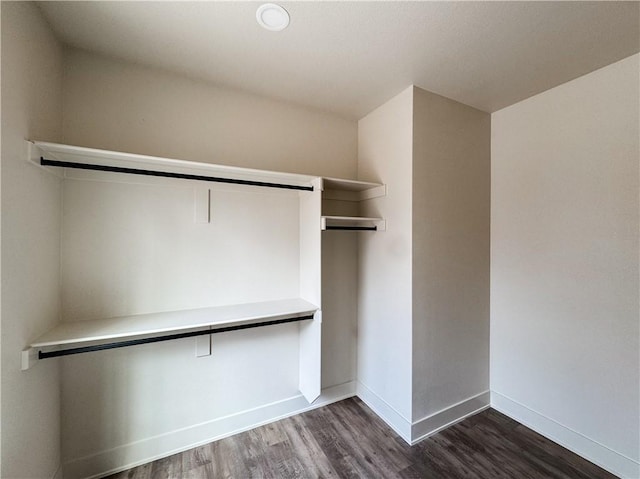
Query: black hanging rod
[353,228]
[167,174]
[169,337]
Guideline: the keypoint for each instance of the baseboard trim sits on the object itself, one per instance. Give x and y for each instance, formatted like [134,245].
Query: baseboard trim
[150,449]
[449,416]
[593,451]
[385,411]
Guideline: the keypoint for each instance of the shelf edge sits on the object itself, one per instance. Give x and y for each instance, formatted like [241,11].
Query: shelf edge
[43,341]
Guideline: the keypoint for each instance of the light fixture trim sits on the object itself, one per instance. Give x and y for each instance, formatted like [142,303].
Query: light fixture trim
[272,17]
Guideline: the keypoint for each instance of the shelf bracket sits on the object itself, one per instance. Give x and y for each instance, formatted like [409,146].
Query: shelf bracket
[29,358]
[33,154]
[202,205]
[203,345]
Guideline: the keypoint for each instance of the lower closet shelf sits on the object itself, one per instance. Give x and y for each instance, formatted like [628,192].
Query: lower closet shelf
[155,327]
[353,223]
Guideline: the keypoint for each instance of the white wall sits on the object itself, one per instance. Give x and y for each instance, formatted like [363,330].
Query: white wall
[450,262]
[423,309]
[31,108]
[130,248]
[385,297]
[339,293]
[133,248]
[119,106]
[564,264]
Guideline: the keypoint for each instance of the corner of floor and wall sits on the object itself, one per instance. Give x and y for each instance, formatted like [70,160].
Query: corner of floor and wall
[565,356]
[564,268]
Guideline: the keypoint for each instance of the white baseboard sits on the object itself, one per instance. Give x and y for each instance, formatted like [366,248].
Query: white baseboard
[140,452]
[150,449]
[591,450]
[444,418]
[413,432]
[387,413]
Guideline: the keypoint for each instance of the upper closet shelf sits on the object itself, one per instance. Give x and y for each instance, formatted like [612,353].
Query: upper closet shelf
[61,159]
[177,323]
[53,156]
[351,190]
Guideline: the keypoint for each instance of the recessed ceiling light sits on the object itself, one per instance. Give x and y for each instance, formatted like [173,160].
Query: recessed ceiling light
[272,17]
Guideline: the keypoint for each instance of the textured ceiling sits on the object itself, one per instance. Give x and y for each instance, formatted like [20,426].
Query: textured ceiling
[350,57]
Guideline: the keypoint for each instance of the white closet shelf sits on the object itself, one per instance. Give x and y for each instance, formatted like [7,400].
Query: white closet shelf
[60,159]
[90,158]
[349,185]
[352,223]
[351,190]
[130,327]
[79,163]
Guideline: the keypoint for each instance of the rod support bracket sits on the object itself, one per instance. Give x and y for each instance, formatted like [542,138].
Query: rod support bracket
[29,357]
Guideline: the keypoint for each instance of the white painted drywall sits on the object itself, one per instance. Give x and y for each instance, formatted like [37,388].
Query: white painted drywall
[384,295]
[423,317]
[120,106]
[450,257]
[339,293]
[564,262]
[31,108]
[131,248]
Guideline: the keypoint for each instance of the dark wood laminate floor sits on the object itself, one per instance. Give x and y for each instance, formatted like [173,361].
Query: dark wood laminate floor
[347,440]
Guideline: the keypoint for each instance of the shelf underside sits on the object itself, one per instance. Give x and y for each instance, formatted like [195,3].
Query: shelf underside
[348,185]
[351,190]
[354,223]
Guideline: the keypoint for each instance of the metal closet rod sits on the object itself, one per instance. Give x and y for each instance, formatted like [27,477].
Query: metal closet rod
[353,228]
[169,337]
[167,174]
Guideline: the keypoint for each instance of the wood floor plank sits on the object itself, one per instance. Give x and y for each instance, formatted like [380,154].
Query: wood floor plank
[377,439]
[307,448]
[273,433]
[573,465]
[228,459]
[369,457]
[335,446]
[347,440]
[199,472]
[140,472]
[168,467]
[194,459]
